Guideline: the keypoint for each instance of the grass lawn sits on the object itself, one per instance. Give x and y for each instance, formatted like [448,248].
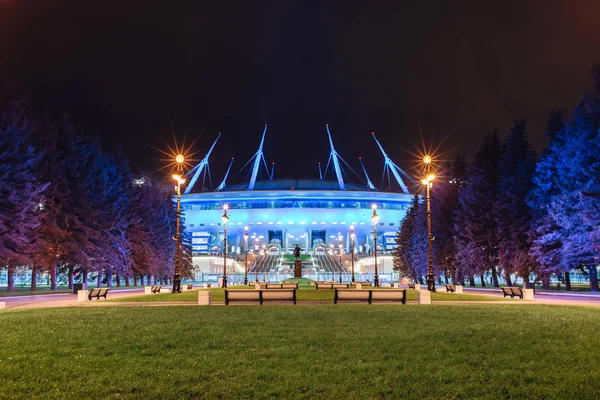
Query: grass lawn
[310,352]
[303,294]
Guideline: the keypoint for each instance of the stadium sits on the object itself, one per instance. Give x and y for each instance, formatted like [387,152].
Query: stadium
[330,220]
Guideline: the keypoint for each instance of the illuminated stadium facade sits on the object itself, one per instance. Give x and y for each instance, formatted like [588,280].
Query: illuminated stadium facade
[280,214]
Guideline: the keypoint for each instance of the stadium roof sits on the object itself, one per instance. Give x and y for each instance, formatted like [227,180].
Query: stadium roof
[296,184]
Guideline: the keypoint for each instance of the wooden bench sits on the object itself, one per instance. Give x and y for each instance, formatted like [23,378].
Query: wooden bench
[411,285]
[450,288]
[512,292]
[190,286]
[281,286]
[362,283]
[97,293]
[261,295]
[370,295]
[331,286]
[155,288]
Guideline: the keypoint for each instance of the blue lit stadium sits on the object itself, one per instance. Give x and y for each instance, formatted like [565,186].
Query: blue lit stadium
[317,215]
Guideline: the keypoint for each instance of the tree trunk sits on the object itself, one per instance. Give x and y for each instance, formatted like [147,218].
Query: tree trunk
[546,282]
[141,280]
[472,281]
[99,283]
[593,278]
[117,280]
[508,282]
[33,278]
[84,279]
[11,279]
[446,277]
[568,280]
[53,271]
[482,280]
[495,276]
[71,277]
[108,278]
[126,280]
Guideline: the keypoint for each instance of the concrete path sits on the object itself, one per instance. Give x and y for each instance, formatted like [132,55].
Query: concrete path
[545,297]
[61,300]
[70,300]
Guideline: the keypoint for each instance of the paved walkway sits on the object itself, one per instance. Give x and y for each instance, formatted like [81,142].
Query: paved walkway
[70,300]
[60,300]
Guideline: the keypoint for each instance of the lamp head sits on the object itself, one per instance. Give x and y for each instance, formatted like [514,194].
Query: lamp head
[225,207]
[374,207]
[177,177]
[375,218]
[225,218]
[430,177]
[427,159]
[179,158]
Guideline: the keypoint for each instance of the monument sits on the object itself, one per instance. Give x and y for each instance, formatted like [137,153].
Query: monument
[297,263]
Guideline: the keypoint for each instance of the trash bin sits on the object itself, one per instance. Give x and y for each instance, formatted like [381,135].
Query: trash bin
[76,287]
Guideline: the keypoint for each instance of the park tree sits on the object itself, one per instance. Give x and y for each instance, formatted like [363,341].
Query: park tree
[402,254]
[21,191]
[513,218]
[475,221]
[444,203]
[544,235]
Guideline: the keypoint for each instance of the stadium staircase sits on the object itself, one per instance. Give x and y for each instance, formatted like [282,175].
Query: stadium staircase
[265,264]
[328,263]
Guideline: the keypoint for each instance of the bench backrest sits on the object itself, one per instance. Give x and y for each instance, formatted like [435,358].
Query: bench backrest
[506,290]
[351,294]
[282,286]
[94,292]
[260,295]
[278,294]
[243,294]
[370,294]
[389,294]
[517,291]
[103,292]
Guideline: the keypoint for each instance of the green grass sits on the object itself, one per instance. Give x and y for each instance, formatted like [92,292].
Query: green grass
[304,294]
[309,352]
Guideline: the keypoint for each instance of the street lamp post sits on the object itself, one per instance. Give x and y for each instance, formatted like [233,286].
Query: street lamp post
[340,237]
[225,218]
[256,266]
[246,256]
[428,182]
[375,220]
[352,249]
[177,275]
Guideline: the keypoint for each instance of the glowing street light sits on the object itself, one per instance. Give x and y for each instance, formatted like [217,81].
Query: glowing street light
[225,218]
[246,256]
[177,275]
[428,182]
[375,220]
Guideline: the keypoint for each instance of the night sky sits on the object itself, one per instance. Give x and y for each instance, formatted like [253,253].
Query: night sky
[453,70]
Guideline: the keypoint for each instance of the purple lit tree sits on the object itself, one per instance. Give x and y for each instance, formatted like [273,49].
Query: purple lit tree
[475,220]
[21,193]
[513,218]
